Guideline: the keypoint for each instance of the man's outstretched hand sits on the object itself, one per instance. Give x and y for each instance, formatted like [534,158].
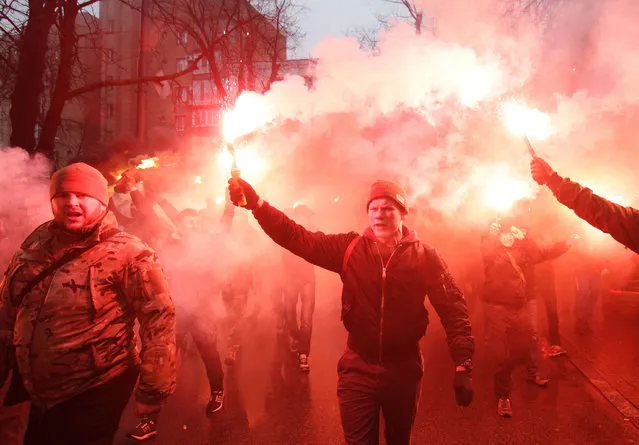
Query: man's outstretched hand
[541,171]
[239,187]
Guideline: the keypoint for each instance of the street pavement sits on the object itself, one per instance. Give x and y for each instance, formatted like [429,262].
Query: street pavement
[269,402]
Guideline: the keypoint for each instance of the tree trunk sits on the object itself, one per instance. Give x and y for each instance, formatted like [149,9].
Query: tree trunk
[68,41]
[29,86]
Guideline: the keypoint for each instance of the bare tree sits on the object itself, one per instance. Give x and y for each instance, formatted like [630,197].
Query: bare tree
[405,10]
[29,85]
[40,45]
[286,34]
[540,12]
[235,37]
[40,67]
[412,12]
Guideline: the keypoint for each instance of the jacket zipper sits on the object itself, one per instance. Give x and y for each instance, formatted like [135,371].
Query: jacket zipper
[381,312]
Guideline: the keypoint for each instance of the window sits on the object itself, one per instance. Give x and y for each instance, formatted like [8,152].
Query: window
[109,111]
[202,92]
[180,123]
[109,54]
[203,118]
[182,38]
[202,66]
[111,27]
[182,64]
[181,95]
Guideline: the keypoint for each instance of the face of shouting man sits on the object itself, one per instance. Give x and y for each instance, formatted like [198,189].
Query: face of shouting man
[79,197]
[75,211]
[385,218]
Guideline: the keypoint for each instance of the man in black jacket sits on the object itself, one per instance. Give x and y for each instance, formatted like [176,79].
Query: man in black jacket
[622,223]
[386,274]
[509,303]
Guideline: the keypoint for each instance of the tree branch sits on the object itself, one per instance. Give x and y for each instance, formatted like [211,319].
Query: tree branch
[124,82]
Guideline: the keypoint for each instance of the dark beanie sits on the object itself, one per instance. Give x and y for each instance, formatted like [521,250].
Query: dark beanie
[391,190]
[80,178]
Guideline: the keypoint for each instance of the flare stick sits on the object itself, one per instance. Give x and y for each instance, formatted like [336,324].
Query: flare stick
[235,171]
[531,149]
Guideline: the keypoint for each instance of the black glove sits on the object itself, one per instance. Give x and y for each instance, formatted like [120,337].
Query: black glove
[464,391]
[541,171]
[239,187]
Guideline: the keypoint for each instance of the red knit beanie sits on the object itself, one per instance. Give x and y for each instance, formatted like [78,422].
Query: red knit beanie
[391,190]
[80,178]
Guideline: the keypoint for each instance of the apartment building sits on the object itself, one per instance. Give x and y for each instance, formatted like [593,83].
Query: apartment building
[235,46]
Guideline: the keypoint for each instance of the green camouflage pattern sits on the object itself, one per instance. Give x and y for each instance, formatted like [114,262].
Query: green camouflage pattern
[75,330]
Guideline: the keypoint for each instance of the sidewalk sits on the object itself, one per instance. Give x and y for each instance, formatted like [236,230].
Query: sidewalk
[609,358]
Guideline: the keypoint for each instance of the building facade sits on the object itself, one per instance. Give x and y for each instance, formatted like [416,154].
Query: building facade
[223,46]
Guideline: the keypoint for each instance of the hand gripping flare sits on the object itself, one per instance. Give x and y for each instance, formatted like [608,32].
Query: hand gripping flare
[235,172]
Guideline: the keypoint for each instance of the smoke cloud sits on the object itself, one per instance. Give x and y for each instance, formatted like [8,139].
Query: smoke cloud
[24,200]
[424,109]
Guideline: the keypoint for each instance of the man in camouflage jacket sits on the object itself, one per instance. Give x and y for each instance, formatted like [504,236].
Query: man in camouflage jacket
[75,348]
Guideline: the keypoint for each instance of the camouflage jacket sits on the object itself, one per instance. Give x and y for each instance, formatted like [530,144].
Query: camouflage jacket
[74,330]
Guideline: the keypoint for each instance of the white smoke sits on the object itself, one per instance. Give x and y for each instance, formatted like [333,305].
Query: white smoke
[422,109]
[24,197]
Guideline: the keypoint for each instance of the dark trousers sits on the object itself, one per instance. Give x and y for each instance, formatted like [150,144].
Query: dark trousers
[204,334]
[511,340]
[235,302]
[13,419]
[304,292]
[364,389]
[90,418]
[547,291]
[588,288]
[277,299]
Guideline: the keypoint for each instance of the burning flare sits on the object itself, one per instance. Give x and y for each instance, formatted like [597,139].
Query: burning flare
[501,188]
[147,163]
[526,122]
[249,114]
[253,166]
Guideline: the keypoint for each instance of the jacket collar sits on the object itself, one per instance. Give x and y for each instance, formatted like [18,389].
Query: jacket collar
[42,238]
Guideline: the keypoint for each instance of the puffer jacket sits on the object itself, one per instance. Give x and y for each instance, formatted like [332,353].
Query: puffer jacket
[622,223]
[509,271]
[74,330]
[382,303]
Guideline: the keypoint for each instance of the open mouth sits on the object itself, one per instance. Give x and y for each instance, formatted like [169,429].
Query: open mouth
[74,215]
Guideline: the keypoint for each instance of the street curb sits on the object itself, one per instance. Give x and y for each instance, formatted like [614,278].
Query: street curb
[598,380]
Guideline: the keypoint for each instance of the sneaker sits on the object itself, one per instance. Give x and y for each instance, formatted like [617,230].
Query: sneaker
[303,363]
[556,351]
[538,380]
[231,358]
[216,402]
[504,408]
[144,430]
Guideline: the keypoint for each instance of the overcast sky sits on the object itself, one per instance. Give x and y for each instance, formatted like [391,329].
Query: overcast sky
[336,17]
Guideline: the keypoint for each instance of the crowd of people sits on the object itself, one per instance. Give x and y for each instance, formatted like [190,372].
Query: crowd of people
[99,303]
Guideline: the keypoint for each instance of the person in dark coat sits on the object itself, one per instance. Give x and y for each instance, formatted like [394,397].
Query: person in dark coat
[386,273]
